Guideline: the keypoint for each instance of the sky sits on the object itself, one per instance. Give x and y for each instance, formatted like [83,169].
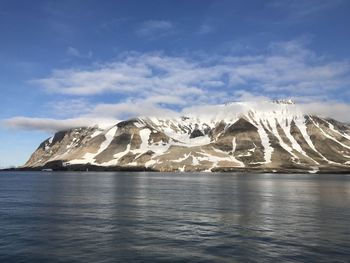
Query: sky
[73,63]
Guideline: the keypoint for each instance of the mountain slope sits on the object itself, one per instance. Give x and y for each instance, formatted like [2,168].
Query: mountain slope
[236,136]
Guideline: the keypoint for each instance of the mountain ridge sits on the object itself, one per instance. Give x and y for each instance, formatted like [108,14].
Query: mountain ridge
[273,137]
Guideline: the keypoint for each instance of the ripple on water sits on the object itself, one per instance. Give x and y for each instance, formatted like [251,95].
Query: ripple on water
[154,217]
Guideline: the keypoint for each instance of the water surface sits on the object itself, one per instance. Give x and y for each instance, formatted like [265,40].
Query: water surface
[155,217]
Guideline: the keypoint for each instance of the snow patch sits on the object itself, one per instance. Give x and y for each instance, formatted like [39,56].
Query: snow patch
[314,170]
[182,169]
[96,133]
[268,150]
[144,134]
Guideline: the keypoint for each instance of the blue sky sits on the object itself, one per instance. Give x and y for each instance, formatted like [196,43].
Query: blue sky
[69,63]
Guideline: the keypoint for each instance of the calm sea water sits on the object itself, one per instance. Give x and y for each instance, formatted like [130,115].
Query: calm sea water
[155,217]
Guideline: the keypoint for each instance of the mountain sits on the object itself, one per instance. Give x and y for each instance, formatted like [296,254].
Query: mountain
[268,137]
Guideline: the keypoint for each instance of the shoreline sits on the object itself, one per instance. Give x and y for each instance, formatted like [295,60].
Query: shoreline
[93,168]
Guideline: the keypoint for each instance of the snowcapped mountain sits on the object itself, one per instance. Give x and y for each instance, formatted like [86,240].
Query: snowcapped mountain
[268,136]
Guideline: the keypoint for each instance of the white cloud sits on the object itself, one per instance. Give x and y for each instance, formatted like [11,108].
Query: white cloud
[147,77]
[331,109]
[287,68]
[154,28]
[106,115]
[102,114]
[52,125]
[157,84]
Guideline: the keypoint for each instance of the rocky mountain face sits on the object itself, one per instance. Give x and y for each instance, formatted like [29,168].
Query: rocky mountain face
[274,138]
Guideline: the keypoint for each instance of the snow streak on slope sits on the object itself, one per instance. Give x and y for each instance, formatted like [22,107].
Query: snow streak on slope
[281,142]
[109,137]
[268,150]
[234,145]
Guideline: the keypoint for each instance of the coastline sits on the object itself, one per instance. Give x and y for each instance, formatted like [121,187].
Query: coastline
[94,168]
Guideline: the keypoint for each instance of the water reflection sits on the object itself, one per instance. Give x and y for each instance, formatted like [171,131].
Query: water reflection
[171,217]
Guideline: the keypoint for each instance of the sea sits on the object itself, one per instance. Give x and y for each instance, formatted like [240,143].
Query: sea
[174,217]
